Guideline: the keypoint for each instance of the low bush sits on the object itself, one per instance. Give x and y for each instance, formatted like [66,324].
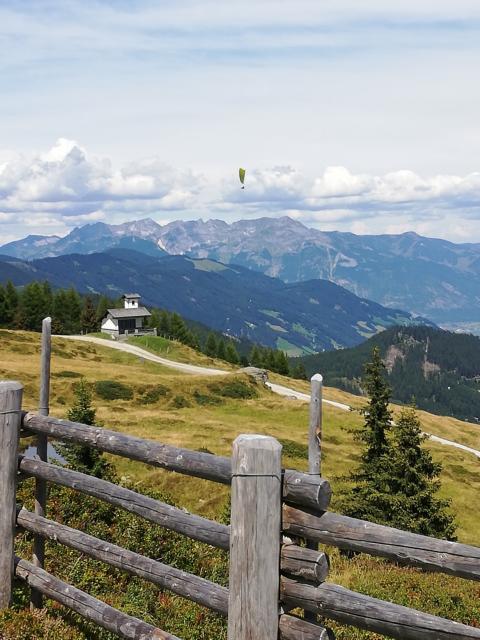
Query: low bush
[235,389]
[150,395]
[67,374]
[113,390]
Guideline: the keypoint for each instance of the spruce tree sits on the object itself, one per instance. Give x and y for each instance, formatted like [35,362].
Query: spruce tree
[89,316]
[369,496]
[281,363]
[414,480]
[221,353]
[231,353]
[211,345]
[178,328]
[102,308]
[81,457]
[11,303]
[255,357]
[165,326]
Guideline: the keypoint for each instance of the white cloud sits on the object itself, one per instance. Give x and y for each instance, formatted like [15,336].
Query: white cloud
[65,186]
[67,183]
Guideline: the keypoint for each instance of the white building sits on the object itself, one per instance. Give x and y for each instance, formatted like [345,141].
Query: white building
[129,319]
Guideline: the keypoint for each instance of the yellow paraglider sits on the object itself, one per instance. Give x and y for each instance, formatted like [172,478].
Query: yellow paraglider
[241,175]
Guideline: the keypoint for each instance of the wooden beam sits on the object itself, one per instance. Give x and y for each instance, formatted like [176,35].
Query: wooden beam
[10,408]
[38,556]
[253,605]
[165,515]
[293,628]
[315,427]
[187,585]
[298,488]
[377,540]
[364,612]
[307,564]
[87,606]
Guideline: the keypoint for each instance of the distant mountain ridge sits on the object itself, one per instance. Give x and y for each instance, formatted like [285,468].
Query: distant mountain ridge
[440,369]
[426,276]
[301,317]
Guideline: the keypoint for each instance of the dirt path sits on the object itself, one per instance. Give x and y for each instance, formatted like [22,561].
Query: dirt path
[205,371]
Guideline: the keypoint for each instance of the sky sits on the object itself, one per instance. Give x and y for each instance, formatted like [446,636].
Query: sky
[355,116]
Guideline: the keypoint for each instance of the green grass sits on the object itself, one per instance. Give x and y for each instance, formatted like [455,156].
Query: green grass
[207,418]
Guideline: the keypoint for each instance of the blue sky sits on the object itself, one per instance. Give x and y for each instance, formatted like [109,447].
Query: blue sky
[357,116]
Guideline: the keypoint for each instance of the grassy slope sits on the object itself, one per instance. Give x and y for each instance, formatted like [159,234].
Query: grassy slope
[214,426]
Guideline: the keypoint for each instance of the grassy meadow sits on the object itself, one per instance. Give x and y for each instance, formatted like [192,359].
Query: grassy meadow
[207,413]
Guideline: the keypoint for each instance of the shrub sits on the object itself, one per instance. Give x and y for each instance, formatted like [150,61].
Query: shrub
[235,389]
[180,402]
[153,394]
[67,374]
[204,399]
[113,390]
[293,449]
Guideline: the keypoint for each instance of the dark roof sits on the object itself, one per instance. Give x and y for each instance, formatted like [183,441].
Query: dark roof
[131,295]
[141,312]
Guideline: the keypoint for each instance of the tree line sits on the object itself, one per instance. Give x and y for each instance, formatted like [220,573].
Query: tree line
[73,313]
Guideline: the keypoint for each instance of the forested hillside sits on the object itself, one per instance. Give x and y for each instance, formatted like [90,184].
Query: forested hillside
[440,369]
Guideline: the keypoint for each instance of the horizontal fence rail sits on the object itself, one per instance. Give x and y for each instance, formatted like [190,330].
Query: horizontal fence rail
[165,515]
[194,588]
[187,585]
[87,606]
[364,612]
[298,488]
[406,548]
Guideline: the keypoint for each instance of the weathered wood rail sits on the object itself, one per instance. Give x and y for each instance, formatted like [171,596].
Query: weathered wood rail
[269,573]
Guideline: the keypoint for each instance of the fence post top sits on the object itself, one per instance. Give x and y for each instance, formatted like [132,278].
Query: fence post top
[317,377]
[255,441]
[10,385]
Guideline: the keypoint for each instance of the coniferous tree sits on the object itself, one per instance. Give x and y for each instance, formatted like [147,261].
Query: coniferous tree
[11,302]
[281,363]
[165,325]
[211,346]
[414,480]
[255,357]
[221,353]
[78,456]
[370,497]
[231,353]
[74,311]
[89,316]
[178,328]
[299,371]
[102,308]
[32,308]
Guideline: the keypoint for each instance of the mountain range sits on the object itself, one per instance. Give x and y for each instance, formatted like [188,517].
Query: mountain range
[440,369]
[426,276]
[300,317]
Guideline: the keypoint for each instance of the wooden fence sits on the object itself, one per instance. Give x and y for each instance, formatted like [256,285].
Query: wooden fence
[269,575]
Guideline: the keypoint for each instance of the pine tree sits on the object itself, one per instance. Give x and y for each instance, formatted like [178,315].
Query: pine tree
[102,308]
[231,353]
[299,372]
[255,357]
[221,353]
[414,480]
[165,329]
[78,456]
[178,328]
[281,363]
[11,303]
[89,316]
[377,414]
[211,345]
[370,497]
[32,308]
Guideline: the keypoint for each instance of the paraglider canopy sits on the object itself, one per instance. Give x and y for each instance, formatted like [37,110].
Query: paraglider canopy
[241,175]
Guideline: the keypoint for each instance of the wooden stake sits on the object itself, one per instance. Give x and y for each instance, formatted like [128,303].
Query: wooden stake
[253,606]
[10,418]
[38,556]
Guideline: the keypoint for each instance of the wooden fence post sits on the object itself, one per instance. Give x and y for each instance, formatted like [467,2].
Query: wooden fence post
[10,418]
[38,557]
[315,447]
[253,605]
